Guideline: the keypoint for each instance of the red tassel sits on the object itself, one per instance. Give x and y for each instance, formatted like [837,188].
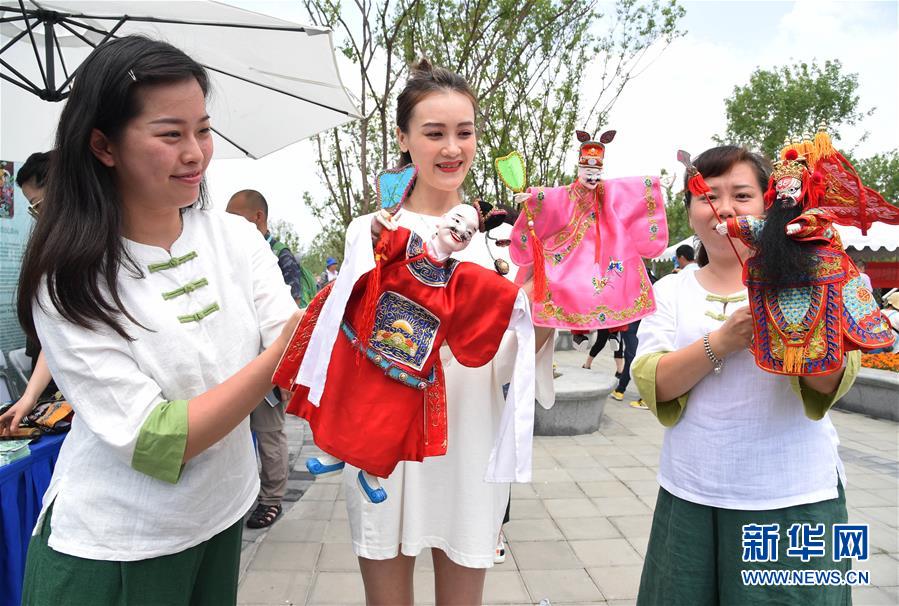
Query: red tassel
[372,292]
[539,267]
[597,206]
[697,185]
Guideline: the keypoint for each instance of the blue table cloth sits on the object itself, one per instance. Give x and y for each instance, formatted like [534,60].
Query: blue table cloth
[22,487]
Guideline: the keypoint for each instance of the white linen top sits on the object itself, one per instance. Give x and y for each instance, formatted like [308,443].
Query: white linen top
[104,509]
[445,502]
[743,440]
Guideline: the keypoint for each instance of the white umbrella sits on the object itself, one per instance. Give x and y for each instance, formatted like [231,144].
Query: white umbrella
[273,82]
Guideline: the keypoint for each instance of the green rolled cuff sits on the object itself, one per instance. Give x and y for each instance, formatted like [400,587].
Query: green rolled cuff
[643,371]
[159,452]
[817,404]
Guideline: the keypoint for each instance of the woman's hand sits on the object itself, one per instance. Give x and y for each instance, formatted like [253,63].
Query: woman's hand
[382,220]
[9,420]
[735,334]
[289,328]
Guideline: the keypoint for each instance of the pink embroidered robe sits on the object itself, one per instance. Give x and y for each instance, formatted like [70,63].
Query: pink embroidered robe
[595,275]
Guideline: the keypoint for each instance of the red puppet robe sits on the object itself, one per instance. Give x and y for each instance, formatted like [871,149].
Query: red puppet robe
[805,330]
[387,403]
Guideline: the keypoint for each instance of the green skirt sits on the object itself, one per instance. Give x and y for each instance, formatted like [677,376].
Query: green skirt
[695,556]
[204,575]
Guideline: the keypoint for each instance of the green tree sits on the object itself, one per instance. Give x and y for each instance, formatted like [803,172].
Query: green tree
[524,59]
[789,101]
[286,233]
[881,172]
[675,211]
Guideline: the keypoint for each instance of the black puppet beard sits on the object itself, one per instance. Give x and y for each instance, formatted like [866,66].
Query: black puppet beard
[785,262]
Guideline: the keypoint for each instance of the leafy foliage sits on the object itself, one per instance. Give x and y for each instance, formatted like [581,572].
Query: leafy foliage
[789,101]
[525,60]
[881,172]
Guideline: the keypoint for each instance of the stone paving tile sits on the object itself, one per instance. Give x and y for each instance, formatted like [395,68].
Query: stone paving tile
[603,489]
[310,510]
[886,514]
[618,460]
[648,488]
[557,490]
[597,473]
[337,557]
[504,588]
[423,586]
[629,474]
[552,476]
[298,531]
[571,508]
[562,586]
[529,509]
[523,491]
[617,582]
[270,587]
[587,528]
[286,556]
[605,552]
[532,530]
[884,570]
[619,506]
[873,596]
[632,526]
[337,588]
[544,555]
[322,492]
[337,531]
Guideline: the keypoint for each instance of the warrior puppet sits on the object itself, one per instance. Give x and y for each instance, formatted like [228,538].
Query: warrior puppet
[808,303]
[365,361]
[583,244]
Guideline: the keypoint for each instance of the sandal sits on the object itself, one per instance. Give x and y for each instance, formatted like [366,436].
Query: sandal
[264,516]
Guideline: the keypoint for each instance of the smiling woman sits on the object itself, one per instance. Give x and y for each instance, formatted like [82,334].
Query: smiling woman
[152,314]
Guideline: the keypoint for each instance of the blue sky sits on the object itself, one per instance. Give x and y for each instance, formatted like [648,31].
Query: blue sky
[677,103]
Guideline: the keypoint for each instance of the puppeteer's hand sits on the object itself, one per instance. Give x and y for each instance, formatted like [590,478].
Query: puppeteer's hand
[383,220]
[793,228]
[522,197]
[735,334]
[289,327]
[721,228]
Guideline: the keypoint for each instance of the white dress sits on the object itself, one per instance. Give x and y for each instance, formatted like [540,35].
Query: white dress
[444,502]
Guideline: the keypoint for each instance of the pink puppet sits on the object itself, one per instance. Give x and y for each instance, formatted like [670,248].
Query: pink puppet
[583,244]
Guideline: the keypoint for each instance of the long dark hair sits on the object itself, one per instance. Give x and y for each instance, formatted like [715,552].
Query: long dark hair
[715,162]
[425,79]
[76,244]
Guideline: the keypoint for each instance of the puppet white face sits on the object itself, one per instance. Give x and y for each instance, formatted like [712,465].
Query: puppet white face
[589,176]
[456,228]
[788,189]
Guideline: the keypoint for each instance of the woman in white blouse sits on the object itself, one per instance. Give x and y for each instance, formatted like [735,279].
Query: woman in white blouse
[442,505]
[162,323]
[742,447]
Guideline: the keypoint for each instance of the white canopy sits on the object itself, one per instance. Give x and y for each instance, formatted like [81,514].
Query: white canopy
[880,236]
[273,82]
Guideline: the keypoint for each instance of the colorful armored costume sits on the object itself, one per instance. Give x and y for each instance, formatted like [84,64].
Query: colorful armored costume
[806,327]
[583,244]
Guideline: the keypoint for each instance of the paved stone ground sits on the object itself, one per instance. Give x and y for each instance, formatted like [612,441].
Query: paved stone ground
[578,532]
